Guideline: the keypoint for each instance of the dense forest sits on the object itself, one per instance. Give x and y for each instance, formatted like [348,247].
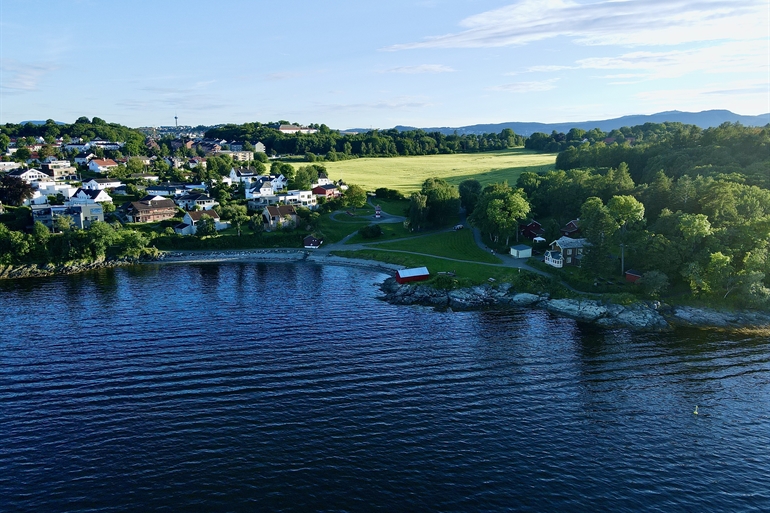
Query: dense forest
[681,204]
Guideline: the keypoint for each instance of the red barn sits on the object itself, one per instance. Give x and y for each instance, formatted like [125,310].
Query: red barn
[413,274]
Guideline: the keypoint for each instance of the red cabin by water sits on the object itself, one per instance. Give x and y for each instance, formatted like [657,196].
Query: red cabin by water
[413,274]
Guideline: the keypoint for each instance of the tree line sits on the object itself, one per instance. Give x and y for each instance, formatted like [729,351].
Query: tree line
[333,145]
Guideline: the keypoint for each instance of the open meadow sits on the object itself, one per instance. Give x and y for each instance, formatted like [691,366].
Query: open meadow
[406,174]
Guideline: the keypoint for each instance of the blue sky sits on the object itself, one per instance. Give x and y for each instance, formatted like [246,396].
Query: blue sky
[359,64]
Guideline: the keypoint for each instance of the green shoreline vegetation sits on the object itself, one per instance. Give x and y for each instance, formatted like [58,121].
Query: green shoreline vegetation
[688,208]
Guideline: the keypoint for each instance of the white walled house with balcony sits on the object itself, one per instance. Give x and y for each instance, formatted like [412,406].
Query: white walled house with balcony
[565,251]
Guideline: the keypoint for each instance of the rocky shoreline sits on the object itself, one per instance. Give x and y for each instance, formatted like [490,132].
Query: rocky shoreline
[13,272]
[641,316]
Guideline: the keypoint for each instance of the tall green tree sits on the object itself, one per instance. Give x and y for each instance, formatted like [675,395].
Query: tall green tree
[469,190]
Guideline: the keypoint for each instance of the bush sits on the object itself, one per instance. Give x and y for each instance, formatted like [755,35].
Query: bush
[385,193]
[371,232]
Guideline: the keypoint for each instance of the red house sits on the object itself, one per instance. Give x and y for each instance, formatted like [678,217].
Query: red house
[571,229]
[532,229]
[413,274]
[327,191]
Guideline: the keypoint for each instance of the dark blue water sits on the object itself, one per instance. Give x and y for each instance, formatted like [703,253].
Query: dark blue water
[291,387]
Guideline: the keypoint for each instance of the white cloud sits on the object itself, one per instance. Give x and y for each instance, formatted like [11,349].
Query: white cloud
[422,68]
[607,22]
[731,57]
[18,77]
[527,87]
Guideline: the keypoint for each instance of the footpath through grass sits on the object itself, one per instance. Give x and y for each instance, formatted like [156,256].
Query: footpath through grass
[406,174]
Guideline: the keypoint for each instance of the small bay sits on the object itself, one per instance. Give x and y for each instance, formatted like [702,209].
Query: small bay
[283,387]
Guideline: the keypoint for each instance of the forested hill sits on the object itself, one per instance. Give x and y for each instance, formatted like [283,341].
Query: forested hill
[705,119]
[83,128]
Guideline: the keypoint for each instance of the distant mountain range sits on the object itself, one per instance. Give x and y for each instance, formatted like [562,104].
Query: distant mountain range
[705,119]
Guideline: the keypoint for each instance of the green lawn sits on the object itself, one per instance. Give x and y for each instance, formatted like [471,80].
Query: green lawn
[459,245]
[406,174]
[389,231]
[392,207]
[335,231]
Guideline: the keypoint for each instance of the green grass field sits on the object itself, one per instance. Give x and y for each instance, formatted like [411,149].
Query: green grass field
[406,174]
[458,245]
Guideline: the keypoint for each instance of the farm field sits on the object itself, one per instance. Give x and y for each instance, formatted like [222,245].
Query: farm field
[406,174]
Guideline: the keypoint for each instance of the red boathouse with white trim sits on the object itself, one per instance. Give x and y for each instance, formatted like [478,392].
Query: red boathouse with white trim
[413,274]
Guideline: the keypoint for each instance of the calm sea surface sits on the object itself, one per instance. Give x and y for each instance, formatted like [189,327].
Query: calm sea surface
[280,387]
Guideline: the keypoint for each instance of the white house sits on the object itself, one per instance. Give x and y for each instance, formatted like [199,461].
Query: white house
[322,180]
[244,175]
[30,175]
[191,200]
[101,165]
[52,189]
[261,188]
[99,184]
[189,224]
[84,157]
[86,196]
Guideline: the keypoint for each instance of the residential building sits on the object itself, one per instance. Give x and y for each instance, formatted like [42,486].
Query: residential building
[571,229]
[189,225]
[82,215]
[151,209]
[84,157]
[328,191]
[101,165]
[100,184]
[59,169]
[30,175]
[166,189]
[85,196]
[276,217]
[565,251]
[193,199]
